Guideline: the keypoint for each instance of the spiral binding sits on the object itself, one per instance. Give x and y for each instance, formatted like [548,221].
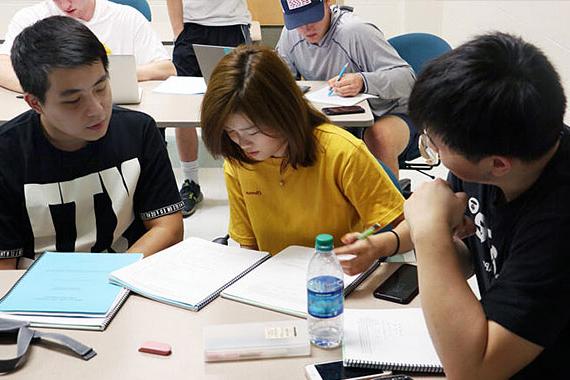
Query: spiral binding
[212,296]
[402,367]
[115,309]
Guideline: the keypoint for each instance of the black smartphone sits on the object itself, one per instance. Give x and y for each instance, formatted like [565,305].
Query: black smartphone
[337,371]
[342,110]
[401,286]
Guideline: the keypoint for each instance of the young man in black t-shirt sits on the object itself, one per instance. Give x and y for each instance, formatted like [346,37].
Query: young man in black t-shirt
[77,174]
[493,110]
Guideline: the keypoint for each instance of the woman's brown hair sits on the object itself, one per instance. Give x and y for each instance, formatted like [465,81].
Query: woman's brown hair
[254,81]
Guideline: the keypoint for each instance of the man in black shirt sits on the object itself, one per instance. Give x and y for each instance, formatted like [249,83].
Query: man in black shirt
[493,110]
[77,174]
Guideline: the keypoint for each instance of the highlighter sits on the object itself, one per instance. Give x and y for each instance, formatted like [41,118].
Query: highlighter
[369,231]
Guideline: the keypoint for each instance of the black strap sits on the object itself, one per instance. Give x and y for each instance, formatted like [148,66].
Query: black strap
[26,336]
[78,348]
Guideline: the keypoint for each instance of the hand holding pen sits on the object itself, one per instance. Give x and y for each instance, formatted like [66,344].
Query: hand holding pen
[369,231]
[338,78]
[363,251]
[347,85]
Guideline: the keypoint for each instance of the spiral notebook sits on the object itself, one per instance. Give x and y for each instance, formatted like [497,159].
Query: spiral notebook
[68,290]
[189,274]
[389,339]
[280,284]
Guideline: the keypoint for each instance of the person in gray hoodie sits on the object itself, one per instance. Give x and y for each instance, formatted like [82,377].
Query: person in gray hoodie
[317,41]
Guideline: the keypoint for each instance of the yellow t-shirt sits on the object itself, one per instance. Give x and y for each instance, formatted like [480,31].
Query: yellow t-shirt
[345,190]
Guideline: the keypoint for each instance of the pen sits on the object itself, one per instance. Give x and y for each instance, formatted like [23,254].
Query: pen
[369,231]
[392,377]
[342,71]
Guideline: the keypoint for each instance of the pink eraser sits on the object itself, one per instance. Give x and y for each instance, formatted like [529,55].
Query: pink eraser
[156,348]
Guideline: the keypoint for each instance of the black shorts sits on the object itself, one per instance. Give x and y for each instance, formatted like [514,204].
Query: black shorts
[184,57]
[411,151]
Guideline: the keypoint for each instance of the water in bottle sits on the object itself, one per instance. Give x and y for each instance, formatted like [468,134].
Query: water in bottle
[325,301]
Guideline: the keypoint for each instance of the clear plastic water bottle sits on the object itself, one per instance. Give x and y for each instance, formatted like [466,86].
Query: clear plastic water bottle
[325,292]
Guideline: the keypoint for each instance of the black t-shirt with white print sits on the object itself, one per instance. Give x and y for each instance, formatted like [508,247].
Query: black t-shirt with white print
[521,255]
[91,200]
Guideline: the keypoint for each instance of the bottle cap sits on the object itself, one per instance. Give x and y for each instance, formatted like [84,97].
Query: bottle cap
[324,242]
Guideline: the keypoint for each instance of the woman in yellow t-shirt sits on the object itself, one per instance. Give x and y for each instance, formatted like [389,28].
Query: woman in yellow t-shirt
[290,174]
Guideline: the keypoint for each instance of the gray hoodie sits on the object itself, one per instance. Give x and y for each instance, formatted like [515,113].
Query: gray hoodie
[363,46]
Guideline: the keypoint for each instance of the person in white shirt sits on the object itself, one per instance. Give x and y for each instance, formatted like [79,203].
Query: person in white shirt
[207,22]
[121,28]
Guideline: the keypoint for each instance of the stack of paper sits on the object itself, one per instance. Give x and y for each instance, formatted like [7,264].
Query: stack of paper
[68,290]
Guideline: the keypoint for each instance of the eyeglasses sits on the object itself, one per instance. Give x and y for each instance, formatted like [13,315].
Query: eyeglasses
[425,144]
[430,156]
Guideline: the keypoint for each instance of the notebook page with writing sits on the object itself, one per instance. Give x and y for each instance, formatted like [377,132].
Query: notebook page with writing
[280,284]
[389,339]
[189,274]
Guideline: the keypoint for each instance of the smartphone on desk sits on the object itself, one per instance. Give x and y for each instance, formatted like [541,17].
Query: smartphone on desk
[401,286]
[337,371]
[342,110]
[304,88]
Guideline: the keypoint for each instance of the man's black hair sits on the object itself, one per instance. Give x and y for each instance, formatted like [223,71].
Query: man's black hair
[51,43]
[494,95]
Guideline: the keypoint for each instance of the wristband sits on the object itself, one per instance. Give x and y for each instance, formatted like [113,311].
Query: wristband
[397,242]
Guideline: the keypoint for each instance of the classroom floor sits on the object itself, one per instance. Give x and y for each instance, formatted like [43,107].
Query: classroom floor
[212,216]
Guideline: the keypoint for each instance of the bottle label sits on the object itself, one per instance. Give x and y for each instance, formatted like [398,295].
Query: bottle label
[325,297]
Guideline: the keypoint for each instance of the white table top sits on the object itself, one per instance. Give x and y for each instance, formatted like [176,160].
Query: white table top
[141,319]
[171,110]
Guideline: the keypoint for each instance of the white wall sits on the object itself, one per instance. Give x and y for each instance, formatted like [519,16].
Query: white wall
[160,21]
[543,23]
[7,10]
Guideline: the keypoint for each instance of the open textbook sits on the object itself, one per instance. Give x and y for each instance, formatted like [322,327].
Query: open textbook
[280,283]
